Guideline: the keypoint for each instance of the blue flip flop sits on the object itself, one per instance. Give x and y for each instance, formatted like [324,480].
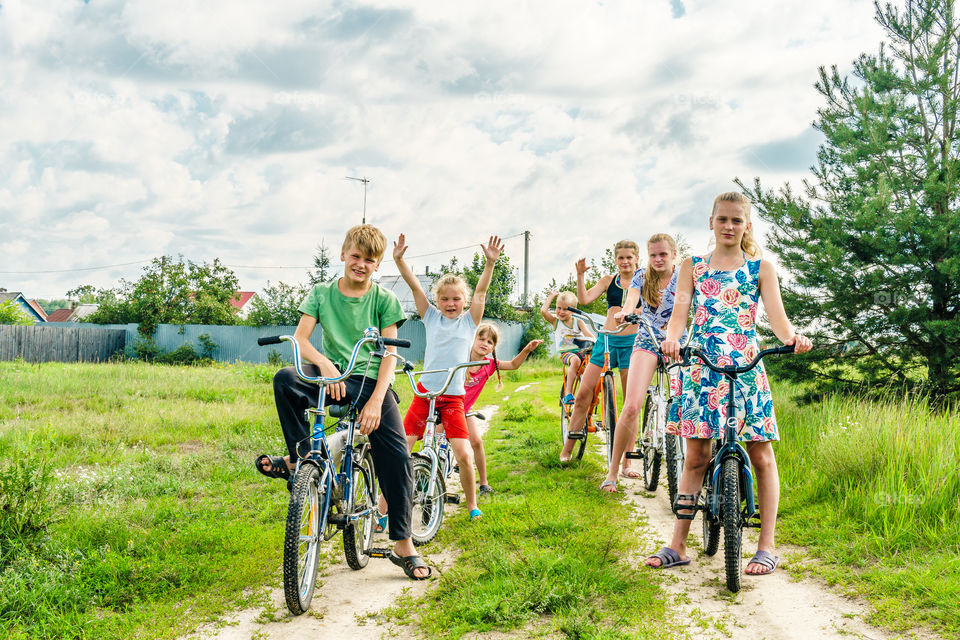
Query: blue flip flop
[476,514]
[381,523]
[668,558]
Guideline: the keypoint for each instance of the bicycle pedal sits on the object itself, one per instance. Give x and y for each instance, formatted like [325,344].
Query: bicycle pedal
[378,552]
[453,498]
[634,455]
[576,435]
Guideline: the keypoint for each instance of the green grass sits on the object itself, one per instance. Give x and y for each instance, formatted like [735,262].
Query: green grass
[551,552]
[873,489]
[129,507]
[128,499]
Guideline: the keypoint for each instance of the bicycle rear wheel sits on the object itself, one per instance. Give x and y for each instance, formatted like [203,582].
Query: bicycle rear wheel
[358,535]
[732,522]
[428,499]
[651,454]
[301,543]
[609,413]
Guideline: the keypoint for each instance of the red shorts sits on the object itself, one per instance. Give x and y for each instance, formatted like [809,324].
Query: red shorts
[451,416]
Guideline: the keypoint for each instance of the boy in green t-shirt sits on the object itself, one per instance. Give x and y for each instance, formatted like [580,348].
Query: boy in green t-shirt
[344,309]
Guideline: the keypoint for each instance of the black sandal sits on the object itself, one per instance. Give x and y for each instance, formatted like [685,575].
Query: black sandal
[278,467]
[409,564]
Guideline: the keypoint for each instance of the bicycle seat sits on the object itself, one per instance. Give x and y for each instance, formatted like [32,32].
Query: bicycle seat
[338,410]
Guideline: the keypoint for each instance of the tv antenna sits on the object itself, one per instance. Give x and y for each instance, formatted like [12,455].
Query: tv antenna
[365,180]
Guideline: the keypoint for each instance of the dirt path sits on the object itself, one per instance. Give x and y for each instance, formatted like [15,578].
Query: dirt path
[773,607]
[346,602]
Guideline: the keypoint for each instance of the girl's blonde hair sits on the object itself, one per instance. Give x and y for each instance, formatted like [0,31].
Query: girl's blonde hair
[747,244]
[567,299]
[489,330]
[627,244]
[651,283]
[451,280]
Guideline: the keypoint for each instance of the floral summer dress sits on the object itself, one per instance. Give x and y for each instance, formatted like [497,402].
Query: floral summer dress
[724,327]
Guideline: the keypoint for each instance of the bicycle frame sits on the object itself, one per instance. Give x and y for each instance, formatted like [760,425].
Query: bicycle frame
[730,447]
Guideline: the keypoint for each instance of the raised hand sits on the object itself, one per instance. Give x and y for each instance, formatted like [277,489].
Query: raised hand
[399,248]
[553,293]
[581,266]
[492,249]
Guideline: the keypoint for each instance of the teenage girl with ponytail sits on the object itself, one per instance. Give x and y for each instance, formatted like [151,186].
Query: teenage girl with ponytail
[485,348]
[654,291]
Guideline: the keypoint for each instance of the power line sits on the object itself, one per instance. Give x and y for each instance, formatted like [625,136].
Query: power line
[236,266]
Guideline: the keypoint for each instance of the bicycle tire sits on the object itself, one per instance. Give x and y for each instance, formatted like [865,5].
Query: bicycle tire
[609,413]
[674,458]
[358,535]
[565,413]
[732,523]
[428,500]
[651,454]
[301,556]
[711,524]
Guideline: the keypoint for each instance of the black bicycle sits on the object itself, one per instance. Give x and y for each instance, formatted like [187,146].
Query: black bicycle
[727,493]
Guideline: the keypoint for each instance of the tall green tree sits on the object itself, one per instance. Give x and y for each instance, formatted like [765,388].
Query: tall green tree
[321,265]
[872,245]
[171,291]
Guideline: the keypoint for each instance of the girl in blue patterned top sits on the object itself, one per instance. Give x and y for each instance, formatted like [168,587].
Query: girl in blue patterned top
[654,289]
[725,288]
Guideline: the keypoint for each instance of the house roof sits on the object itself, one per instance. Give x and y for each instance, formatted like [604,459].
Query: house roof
[28,306]
[242,298]
[36,307]
[403,292]
[60,315]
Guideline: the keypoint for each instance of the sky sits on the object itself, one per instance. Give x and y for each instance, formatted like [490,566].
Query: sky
[131,129]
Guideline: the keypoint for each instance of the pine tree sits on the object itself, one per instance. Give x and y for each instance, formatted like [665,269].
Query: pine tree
[872,246]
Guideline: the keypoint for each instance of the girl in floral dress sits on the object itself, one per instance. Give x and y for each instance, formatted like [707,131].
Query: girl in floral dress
[725,288]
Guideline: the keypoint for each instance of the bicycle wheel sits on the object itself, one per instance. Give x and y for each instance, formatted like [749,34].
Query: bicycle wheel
[301,543]
[675,454]
[358,535]
[732,522]
[609,413]
[428,499]
[711,523]
[651,454]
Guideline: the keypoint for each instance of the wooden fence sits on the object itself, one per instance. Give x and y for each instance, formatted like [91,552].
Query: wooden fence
[40,343]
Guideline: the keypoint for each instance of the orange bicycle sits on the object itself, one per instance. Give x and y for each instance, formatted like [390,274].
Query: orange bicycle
[604,396]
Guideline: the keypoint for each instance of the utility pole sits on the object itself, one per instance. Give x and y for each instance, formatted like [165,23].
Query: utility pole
[526,268]
[365,180]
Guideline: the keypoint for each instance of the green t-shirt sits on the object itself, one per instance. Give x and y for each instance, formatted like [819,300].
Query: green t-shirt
[344,320]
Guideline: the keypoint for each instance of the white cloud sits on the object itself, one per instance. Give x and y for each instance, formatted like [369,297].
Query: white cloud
[131,129]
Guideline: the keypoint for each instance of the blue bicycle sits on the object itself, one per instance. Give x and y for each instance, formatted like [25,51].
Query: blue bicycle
[334,486]
[727,492]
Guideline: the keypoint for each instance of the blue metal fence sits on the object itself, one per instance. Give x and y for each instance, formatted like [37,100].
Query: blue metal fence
[238,343]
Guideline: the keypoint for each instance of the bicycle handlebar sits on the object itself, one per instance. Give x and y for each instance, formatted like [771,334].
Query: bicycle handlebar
[686,352]
[446,383]
[370,336]
[581,315]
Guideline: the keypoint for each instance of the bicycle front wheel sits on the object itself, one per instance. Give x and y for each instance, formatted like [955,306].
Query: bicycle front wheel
[428,498]
[301,543]
[609,414]
[358,534]
[711,520]
[732,522]
[651,453]
[675,453]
